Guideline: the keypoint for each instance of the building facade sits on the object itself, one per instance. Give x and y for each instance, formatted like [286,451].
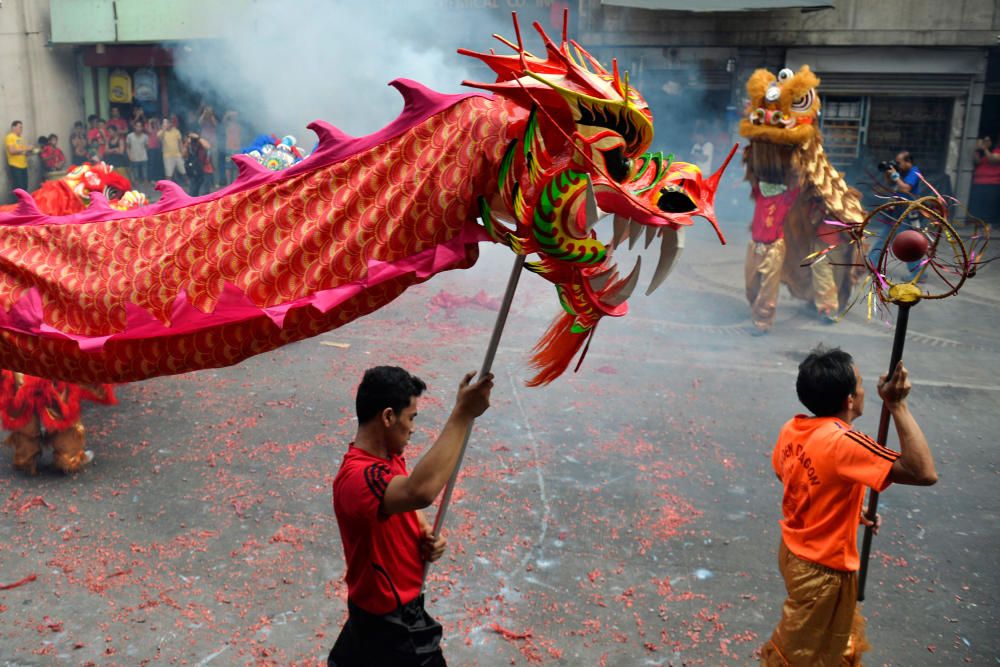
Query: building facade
[39,82]
[895,74]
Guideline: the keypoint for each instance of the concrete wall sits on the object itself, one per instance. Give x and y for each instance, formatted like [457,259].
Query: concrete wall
[38,83]
[851,22]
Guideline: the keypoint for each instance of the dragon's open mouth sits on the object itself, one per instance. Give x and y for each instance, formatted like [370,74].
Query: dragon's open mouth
[605,286]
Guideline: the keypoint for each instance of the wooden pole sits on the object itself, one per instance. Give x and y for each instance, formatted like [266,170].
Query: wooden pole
[902,321]
[491,351]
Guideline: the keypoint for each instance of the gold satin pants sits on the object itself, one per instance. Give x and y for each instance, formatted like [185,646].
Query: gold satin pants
[762,272]
[820,625]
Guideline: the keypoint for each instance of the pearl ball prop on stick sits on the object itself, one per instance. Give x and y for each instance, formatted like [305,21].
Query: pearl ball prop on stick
[909,245]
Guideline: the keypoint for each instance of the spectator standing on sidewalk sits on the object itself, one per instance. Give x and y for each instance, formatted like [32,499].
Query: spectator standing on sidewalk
[17,156]
[136,145]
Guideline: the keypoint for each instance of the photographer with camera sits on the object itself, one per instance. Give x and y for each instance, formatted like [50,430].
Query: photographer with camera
[198,165]
[904,179]
[902,175]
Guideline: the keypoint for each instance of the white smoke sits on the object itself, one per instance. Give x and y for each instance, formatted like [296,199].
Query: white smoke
[283,65]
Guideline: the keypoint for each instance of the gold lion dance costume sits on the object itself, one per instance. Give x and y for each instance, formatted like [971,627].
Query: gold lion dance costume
[36,410]
[799,199]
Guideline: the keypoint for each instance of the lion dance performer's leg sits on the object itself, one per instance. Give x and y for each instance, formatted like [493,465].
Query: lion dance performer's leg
[825,288]
[68,453]
[26,442]
[763,281]
[28,403]
[820,624]
[22,421]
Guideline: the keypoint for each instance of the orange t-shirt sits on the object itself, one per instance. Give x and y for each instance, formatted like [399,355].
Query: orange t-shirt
[825,466]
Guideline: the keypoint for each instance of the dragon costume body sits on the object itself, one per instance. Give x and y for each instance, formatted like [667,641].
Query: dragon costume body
[796,192]
[35,409]
[278,256]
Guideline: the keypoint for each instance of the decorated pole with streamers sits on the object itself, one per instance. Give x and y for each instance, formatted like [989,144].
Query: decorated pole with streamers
[922,243]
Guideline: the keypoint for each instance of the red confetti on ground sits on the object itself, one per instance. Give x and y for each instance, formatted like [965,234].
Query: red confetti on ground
[37,500]
[50,624]
[22,582]
[509,634]
[449,302]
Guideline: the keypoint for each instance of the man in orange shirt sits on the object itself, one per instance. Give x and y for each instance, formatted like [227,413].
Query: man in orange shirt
[825,466]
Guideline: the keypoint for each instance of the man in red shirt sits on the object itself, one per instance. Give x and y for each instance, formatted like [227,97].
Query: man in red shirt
[825,466]
[386,538]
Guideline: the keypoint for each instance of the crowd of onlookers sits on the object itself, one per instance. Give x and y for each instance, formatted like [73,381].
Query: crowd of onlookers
[192,149]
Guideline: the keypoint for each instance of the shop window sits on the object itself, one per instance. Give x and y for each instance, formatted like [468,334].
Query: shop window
[917,124]
[844,123]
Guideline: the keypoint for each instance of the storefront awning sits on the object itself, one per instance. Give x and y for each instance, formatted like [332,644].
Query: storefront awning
[720,5]
[139,21]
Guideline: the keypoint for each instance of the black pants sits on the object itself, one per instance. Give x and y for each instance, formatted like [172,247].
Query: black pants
[155,163]
[405,637]
[18,178]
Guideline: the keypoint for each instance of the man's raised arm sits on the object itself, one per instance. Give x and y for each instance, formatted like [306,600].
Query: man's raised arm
[432,472]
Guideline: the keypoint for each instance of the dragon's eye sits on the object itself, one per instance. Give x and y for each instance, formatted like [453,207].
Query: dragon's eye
[619,167]
[785,74]
[111,193]
[804,103]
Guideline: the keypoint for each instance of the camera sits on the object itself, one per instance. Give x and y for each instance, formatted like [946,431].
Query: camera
[886,165]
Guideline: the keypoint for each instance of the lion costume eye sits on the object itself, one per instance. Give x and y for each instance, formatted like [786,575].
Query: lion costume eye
[785,74]
[804,103]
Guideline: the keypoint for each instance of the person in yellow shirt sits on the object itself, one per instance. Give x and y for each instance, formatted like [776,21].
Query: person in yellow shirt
[17,156]
[173,152]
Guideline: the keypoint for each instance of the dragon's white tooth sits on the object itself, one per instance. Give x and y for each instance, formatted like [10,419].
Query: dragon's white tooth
[620,292]
[671,244]
[650,235]
[598,281]
[634,232]
[621,230]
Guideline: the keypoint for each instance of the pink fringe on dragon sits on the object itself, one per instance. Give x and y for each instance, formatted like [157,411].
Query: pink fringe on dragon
[194,283]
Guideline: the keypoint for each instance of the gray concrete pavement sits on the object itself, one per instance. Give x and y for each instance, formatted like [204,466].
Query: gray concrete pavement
[625,515]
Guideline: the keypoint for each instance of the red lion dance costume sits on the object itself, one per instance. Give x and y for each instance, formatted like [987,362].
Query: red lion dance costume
[278,256]
[35,409]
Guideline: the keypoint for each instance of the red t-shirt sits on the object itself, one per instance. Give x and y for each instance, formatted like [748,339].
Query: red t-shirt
[119,124]
[382,552]
[825,466]
[769,215]
[986,172]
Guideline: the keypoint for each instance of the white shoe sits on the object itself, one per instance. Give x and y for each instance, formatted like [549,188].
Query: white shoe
[88,456]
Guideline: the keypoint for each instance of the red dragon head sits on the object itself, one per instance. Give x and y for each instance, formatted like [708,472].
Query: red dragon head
[578,152]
